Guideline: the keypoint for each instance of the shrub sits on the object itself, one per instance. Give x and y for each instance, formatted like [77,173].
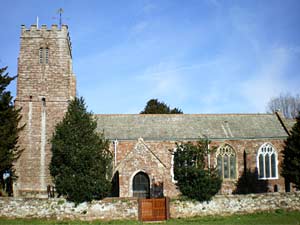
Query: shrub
[193,178]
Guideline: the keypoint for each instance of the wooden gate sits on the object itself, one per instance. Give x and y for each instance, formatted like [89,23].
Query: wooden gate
[154,209]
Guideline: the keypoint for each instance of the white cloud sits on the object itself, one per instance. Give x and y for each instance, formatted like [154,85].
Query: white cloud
[166,80]
[149,7]
[139,27]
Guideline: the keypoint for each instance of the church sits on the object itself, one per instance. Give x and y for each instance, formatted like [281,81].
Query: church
[142,145]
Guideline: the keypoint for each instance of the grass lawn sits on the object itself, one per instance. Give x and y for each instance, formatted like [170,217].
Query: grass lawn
[279,217]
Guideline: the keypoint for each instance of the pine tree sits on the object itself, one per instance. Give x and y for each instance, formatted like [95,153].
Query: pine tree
[154,106]
[9,130]
[291,154]
[193,178]
[80,160]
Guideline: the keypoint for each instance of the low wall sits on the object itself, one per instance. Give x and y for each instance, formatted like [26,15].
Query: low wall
[127,208]
[106,209]
[236,204]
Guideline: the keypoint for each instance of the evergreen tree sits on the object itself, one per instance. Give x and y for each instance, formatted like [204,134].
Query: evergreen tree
[193,178]
[291,155]
[154,106]
[81,159]
[9,119]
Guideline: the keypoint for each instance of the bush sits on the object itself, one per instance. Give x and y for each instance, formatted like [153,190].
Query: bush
[202,184]
[193,178]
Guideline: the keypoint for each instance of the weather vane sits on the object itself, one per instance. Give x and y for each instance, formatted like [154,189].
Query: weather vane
[60,11]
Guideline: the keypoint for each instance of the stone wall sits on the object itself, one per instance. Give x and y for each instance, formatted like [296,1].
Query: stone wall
[45,85]
[61,209]
[236,204]
[127,208]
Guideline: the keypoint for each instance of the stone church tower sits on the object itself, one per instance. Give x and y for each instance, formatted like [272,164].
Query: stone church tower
[45,85]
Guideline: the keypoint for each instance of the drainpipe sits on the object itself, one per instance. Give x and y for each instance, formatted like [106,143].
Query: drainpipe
[208,156]
[115,151]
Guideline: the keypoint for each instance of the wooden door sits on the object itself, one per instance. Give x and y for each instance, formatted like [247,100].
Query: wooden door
[155,209]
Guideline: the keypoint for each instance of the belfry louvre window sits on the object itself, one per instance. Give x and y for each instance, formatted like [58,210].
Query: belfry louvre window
[226,162]
[41,55]
[267,162]
[44,55]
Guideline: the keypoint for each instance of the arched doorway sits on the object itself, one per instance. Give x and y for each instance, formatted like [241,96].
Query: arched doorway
[141,185]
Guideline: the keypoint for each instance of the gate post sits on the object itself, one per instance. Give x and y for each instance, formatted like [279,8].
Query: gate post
[139,209]
[167,202]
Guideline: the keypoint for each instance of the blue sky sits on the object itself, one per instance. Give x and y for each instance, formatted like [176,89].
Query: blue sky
[203,56]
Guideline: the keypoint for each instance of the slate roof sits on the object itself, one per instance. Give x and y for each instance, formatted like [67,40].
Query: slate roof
[189,126]
[289,123]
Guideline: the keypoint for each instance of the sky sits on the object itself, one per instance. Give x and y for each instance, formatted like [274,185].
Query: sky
[202,56]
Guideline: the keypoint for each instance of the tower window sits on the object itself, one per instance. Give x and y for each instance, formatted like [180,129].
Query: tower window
[41,55]
[44,101]
[44,55]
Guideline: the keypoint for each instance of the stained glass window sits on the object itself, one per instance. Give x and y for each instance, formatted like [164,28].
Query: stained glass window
[226,162]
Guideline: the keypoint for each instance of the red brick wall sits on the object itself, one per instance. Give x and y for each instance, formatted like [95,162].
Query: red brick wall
[130,161]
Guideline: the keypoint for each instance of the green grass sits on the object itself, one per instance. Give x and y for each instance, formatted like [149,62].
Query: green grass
[279,217]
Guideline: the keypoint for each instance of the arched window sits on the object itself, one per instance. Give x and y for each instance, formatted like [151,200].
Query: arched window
[226,162]
[172,166]
[141,185]
[267,162]
[44,55]
[41,55]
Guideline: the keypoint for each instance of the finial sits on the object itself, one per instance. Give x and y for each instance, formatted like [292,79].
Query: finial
[37,22]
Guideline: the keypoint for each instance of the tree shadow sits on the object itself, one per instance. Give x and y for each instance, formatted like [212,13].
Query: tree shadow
[249,183]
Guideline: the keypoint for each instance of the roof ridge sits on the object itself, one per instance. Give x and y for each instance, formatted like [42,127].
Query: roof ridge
[193,114]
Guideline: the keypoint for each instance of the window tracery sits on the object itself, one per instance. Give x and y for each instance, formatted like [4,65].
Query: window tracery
[267,162]
[226,162]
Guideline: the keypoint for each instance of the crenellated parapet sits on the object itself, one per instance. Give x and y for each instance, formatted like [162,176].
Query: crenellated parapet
[47,33]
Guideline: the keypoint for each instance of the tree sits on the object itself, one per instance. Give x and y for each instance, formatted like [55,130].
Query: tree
[193,178]
[291,155]
[9,131]
[81,160]
[289,105]
[153,106]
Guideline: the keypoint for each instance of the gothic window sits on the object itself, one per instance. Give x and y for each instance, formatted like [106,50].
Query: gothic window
[41,55]
[44,55]
[226,162]
[172,167]
[267,162]
[141,185]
